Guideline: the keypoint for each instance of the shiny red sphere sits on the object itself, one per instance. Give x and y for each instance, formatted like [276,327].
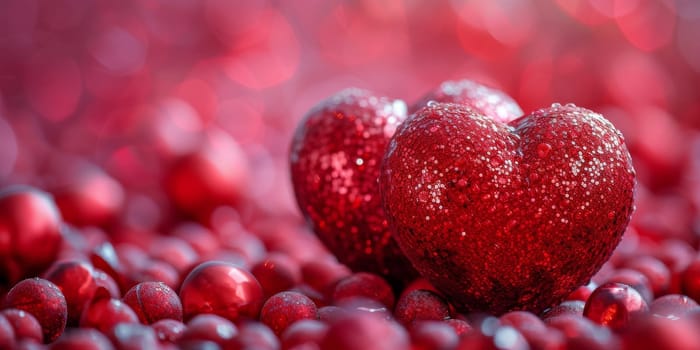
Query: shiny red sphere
[104,313]
[223,289]
[208,327]
[76,280]
[507,217]
[303,333]
[83,339]
[153,301]
[377,333]
[365,285]
[277,273]
[30,232]
[614,304]
[43,300]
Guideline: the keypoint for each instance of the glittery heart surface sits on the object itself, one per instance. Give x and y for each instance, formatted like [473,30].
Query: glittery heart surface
[335,160]
[505,217]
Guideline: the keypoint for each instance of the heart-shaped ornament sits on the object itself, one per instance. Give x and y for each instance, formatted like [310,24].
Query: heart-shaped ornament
[504,217]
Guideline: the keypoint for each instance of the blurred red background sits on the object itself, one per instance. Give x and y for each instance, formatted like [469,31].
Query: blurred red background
[125,88]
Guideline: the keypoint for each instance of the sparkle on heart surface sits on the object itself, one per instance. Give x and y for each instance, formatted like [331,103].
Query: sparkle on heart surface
[503,217]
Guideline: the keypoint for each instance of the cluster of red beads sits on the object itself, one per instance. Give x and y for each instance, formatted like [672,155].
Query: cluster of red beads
[145,200]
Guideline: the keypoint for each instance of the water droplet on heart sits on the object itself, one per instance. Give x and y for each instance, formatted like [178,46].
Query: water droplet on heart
[462,183]
[543,149]
[434,128]
[611,215]
[556,105]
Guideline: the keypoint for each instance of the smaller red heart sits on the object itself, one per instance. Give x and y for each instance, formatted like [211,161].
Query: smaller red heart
[335,160]
[506,217]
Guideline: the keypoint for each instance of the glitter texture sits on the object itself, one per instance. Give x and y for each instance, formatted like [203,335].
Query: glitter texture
[507,217]
[483,99]
[335,161]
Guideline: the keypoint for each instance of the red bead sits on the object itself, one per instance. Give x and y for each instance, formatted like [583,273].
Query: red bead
[690,280]
[175,252]
[82,339]
[157,271]
[335,159]
[283,309]
[76,279]
[7,334]
[484,100]
[421,305]
[209,327]
[429,335]
[573,326]
[223,289]
[651,333]
[215,175]
[25,325]
[44,301]
[634,279]
[277,273]
[323,275]
[153,301]
[363,284]
[104,313]
[672,306]
[614,304]
[365,331]
[363,304]
[89,197]
[303,333]
[507,217]
[30,233]
[521,320]
[254,335]
[168,330]
[133,336]
[656,272]
[505,338]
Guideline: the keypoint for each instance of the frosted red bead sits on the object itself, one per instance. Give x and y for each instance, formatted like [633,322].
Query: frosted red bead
[419,305]
[30,232]
[153,301]
[283,309]
[614,304]
[223,289]
[44,301]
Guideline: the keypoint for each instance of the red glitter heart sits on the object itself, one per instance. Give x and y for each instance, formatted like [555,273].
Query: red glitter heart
[335,160]
[506,217]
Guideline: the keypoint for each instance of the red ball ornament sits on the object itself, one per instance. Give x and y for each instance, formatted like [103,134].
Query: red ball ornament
[76,280]
[154,301]
[335,159]
[421,305]
[30,233]
[507,217]
[482,99]
[43,300]
[25,325]
[104,313]
[223,289]
[614,304]
[285,308]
